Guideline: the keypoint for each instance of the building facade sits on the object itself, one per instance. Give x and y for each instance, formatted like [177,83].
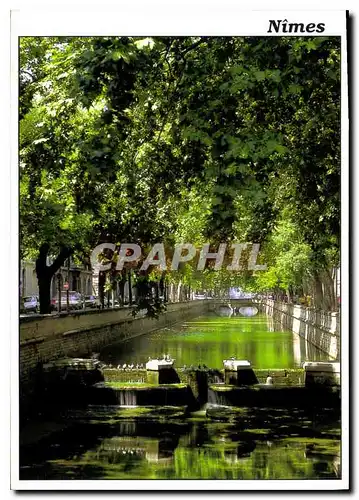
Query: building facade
[28,279]
[78,277]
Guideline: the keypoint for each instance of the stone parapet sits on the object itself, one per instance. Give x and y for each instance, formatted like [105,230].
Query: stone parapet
[47,337]
[320,328]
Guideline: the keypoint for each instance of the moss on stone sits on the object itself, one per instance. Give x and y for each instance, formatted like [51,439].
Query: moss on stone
[257,432]
[138,412]
[141,385]
[222,387]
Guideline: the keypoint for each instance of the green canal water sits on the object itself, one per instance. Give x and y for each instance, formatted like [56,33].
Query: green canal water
[211,339]
[267,444]
[180,450]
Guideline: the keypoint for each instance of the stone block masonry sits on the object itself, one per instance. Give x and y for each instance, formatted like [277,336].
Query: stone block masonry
[319,328]
[78,334]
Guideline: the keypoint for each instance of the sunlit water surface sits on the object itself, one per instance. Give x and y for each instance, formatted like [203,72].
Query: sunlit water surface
[192,448]
[211,339]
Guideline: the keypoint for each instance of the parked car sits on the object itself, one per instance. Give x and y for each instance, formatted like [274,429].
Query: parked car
[30,304]
[76,301]
[91,301]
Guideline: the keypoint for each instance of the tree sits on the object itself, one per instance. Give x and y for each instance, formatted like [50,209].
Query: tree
[164,138]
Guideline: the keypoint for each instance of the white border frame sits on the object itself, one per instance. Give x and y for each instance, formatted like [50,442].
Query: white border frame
[202,20]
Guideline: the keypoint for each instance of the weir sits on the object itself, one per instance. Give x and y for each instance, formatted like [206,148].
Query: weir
[47,337]
[153,397]
[84,382]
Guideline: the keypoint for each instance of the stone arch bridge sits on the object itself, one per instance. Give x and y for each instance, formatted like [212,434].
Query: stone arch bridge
[220,304]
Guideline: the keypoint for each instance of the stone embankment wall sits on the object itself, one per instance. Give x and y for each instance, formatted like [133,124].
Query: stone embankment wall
[78,334]
[47,337]
[319,328]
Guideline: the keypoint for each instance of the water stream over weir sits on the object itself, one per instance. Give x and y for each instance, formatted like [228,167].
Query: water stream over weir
[128,442]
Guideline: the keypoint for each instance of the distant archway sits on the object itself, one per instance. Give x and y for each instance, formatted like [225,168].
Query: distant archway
[225,311]
[248,311]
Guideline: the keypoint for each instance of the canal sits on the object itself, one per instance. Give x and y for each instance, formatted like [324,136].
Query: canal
[211,339]
[242,443]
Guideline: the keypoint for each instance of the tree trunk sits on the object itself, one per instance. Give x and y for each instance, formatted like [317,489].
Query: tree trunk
[305,287]
[45,273]
[130,287]
[162,287]
[179,292]
[121,287]
[318,292]
[44,283]
[329,286]
[326,295]
[170,294]
[101,286]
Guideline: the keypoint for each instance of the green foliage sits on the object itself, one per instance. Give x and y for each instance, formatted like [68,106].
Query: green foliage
[183,139]
[153,308]
[289,258]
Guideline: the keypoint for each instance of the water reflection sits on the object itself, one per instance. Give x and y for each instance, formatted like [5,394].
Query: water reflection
[204,450]
[270,324]
[276,446]
[248,311]
[297,353]
[153,450]
[229,311]
[225,311]
[211,339]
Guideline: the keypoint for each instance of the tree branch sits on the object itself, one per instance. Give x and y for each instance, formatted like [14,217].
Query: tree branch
[60,259]
[24,71]
[193,46]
